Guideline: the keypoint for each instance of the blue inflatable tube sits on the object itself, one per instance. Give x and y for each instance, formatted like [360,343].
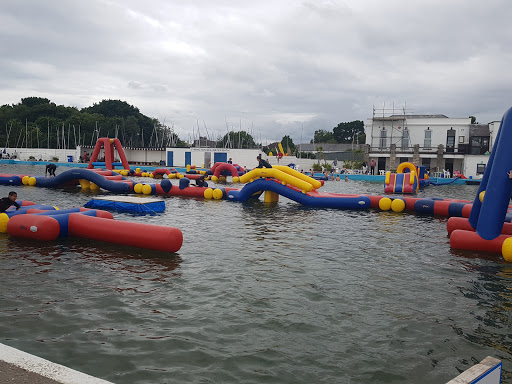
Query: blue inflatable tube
[11,180]
[359,202]
[76,174]
[22,210]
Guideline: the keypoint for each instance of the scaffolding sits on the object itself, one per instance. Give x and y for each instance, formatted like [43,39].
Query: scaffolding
[393,115]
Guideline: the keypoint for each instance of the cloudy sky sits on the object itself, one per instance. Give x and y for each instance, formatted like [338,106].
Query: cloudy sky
[271,67]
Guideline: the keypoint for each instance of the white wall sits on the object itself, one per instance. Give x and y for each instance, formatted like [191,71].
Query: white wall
[470,163]
[417,127]
[242,157]
[44,154]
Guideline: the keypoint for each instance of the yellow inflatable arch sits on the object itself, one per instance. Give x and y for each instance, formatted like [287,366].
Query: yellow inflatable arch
[410,166]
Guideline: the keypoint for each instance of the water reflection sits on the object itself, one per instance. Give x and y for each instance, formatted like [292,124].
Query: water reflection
[260,293]
[489,287]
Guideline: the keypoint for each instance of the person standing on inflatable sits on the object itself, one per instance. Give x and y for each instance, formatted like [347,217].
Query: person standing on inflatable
[262,163]
[50,168]
[6,202]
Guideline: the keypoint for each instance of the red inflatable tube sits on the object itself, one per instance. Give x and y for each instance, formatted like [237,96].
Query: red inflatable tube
[114,177]
[466,210]
[104,172]
[44,228]
[214,167]
[158,238]
[458,223]
[442,208]
[225,167]
[461,239]
[193,176]
[189,191]
[463,223]
[162,171]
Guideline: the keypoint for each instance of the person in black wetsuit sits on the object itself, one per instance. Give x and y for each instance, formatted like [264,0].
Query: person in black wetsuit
[262,163]
[200,181]
[6,202]
[50,168]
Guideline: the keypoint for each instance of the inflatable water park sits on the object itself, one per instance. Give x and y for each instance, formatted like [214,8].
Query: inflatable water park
[482,225]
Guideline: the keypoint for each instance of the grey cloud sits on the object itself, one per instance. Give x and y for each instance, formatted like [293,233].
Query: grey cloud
[276,67]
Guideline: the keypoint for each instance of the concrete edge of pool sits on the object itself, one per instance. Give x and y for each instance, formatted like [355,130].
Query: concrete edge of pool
[20,367]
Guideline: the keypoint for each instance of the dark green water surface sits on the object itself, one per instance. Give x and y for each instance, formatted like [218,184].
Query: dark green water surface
[260,294]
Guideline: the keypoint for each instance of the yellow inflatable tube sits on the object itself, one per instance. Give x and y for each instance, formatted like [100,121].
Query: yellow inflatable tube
[388,177]
[276,174]
[410,166]
[412,177]
[315,183]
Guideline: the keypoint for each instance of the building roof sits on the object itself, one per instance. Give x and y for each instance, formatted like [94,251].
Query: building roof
[479,130]
[403,117]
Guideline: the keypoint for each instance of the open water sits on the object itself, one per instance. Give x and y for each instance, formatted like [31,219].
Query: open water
[260,294]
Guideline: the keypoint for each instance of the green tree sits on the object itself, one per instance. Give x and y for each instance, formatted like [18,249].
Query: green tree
[33,101]
[350,132]
[323,136]
[240,139]
[288,145]
[36,121]
[473,120]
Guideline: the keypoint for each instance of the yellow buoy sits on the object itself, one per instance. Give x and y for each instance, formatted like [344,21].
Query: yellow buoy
[236,179]
[385,203]
[137,188]
[151,175]
[481,196]
[208,193]
[180,176]
[146,189]
[398,205]
[3,222]
[214,178]
[32,181]
[85,184]
[506,249]
[24,180]
[218,194]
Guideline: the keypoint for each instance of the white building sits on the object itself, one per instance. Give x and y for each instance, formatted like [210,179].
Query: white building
[435,141]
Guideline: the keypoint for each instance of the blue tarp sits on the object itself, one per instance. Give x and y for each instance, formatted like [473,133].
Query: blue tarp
[153,207]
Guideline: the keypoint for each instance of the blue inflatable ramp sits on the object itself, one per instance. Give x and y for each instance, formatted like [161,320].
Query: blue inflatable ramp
[141,205]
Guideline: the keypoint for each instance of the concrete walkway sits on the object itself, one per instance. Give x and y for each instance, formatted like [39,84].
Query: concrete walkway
[23,368]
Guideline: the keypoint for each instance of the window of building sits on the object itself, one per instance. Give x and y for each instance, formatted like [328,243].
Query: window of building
[461,139]
[480,169]
[383,139]
[405,139]
[427,143]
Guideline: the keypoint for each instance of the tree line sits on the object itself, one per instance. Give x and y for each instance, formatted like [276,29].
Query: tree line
[37,122]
